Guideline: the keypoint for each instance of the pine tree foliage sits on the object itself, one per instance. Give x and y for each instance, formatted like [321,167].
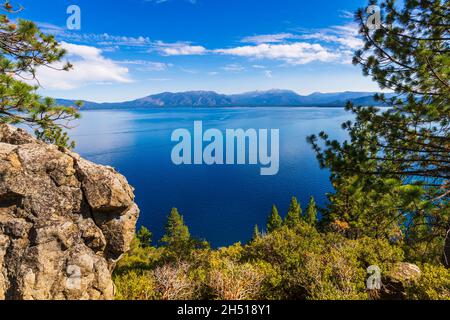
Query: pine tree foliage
[310,215]
[274,221]
[177,236]
[294,214]
[23,50]
[395,151]
[144,236]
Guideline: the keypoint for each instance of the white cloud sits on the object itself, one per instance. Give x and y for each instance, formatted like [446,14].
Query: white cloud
[183,50]
[85,52]
[294,53]
[179,49]
[268,38]
[89,66]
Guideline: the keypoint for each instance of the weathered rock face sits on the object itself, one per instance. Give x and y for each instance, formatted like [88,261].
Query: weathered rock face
[398,278]
[64,221]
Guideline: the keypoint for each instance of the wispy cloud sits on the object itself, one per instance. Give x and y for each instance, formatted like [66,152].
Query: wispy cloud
[106,39]
[145,65]
[346,14]
[178,49]
[186,70]
[102,39]
[268,38]
[234,68]
[50,28]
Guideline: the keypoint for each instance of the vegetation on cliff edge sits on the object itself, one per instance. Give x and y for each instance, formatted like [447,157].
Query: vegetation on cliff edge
[299,261]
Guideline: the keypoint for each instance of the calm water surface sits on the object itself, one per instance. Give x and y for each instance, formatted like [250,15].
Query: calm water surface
[219,203]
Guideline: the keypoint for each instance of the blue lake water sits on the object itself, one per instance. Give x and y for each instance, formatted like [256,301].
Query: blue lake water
[219,203]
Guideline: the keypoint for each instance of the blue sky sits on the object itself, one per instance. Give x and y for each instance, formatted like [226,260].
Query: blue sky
[132,48]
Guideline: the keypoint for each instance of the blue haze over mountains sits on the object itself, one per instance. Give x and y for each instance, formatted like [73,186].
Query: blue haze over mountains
[268,98]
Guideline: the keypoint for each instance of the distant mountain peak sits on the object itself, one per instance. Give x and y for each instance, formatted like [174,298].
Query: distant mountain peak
[270,91]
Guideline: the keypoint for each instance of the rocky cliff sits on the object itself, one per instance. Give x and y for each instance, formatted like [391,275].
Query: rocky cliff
[64,221]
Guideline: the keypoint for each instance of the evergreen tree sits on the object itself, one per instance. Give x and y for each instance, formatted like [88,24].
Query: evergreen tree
[294,214]
[177,237]
[24,49]
[274,221]
[145,237]
[256,233]
[311,212]
[409,143]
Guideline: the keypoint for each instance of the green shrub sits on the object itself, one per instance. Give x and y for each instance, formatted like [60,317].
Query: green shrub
[135,285]
[434,284]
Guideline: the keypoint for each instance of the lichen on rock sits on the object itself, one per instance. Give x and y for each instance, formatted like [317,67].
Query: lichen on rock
[64,221]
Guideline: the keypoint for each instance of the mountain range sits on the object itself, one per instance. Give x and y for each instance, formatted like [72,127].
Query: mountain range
[201,99]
